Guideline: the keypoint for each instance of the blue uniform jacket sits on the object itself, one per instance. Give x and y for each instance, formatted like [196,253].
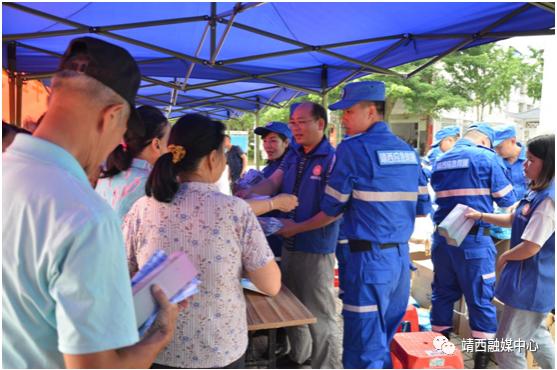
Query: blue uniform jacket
[310,194]
[275,241]
[516,173]
[379,184]
[471,175]
[529,284]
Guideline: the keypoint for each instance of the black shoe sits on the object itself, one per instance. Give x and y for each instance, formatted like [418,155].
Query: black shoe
[447,335]
[481,360]
[287,363]
[280,351]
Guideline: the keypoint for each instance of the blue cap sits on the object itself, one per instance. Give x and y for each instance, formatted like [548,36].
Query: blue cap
[443,133]
[278,127]
[503,133]
[293,108]
[485,129]
[356,92]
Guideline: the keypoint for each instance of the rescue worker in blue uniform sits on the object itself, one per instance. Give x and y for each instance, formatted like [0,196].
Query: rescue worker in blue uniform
[471,174]
[527,284]
[445,139]
[514,155]
[276,138]
[379,185]
[308,259]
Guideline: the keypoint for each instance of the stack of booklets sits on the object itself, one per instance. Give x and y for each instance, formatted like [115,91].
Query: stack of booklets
[455,226]
[175,274]
[247,284]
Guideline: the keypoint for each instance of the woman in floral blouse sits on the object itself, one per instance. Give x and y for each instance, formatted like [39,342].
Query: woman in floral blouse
[184,211]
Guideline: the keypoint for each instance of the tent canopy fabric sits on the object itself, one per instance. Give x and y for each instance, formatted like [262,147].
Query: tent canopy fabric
[241,57]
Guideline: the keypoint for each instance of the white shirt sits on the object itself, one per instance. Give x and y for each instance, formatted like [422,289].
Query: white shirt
[542,223]
[65,285]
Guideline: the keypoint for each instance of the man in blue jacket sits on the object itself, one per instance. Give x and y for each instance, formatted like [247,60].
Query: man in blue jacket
[379,185]
[514,156]
[308,259]
[471,174]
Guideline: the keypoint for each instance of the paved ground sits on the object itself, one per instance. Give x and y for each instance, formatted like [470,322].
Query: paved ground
[261,343]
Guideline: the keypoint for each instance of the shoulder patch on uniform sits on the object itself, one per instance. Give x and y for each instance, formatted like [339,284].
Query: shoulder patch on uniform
[454,164]
[394,157]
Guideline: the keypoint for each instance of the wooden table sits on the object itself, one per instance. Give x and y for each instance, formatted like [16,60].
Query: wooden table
[271,313]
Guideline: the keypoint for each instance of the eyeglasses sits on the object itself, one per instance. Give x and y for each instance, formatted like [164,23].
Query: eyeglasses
[300,123]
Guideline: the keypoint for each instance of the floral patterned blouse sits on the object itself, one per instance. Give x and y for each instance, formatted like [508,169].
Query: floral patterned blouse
[221,236]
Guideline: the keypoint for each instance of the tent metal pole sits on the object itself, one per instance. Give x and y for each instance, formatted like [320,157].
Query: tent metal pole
[216,52]
[39,50]
[382,54]
[284,105]
[145,86]
[39,76]
[213,27]
[190,69]
[243,8]
[19,85]
[317,49]
[241,98]
[473,38]
[152,99]
[12,66]
[82,30]
[256,138]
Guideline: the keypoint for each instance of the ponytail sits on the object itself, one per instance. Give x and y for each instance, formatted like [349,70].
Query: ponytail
[119,160]
[162,182]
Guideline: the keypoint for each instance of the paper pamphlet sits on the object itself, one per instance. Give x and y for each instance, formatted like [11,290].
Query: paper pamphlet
[455,226]
[175,274]
[247,284]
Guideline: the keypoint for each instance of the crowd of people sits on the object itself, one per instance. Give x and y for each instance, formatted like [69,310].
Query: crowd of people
[101,185]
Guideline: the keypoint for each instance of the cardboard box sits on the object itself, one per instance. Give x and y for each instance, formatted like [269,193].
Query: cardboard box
[531,361]
[464,330]
[502,246]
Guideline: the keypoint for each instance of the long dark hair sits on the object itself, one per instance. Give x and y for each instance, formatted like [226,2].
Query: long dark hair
[121,158]
[199,136]
[543,147]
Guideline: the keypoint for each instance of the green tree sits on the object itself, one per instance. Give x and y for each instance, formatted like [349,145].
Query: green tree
[533,73]
[484,75]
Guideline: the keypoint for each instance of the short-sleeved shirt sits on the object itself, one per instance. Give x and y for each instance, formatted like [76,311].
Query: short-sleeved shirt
[121,191]
[542,223]
[235,161]
[65,285]
[221,236]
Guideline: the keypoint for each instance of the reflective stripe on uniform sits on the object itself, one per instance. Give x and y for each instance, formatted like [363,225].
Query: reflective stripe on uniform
[501,193]
[462,192]
[347,307]
[439,329]
[342,241]
[423,190]
[482,335]
[487,276]
[385,196]
[337,194]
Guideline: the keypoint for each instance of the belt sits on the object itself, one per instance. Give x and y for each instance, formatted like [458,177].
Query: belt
[364,245]
[474,230]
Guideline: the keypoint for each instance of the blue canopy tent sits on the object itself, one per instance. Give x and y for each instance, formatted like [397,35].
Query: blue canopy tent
[226,59]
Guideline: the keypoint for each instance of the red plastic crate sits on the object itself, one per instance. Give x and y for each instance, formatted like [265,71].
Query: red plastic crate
[416,351]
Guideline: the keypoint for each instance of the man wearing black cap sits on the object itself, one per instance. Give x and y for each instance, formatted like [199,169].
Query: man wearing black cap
[67,298]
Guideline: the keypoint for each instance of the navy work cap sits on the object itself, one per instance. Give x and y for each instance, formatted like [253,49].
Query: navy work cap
[503,133]
[485,129]
[293,108]
[357,92]
[443,133]
[278,127]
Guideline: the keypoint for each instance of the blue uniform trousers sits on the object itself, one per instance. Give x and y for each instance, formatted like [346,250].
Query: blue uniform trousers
[343,257]
[375,300]
[469,270]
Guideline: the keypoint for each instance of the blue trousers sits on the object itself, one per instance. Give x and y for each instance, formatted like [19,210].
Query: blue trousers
[469,270]
[343,257]
[375,300]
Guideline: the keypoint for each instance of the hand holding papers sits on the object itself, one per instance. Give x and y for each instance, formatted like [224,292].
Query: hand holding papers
[175,274]
[455,226]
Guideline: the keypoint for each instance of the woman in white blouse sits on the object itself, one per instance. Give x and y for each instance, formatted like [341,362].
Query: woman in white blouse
[184,211]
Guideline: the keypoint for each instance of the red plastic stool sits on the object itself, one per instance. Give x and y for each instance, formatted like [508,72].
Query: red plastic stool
[412,316]
[396,362]
[416,351]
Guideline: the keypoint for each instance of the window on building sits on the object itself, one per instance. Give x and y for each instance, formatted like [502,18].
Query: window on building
[521,107]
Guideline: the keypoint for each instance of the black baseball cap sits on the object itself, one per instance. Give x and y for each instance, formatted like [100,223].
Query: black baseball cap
[109,64]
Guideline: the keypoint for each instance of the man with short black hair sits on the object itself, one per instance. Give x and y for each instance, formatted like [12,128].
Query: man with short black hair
[67,299]
[237,159]
[514,156]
